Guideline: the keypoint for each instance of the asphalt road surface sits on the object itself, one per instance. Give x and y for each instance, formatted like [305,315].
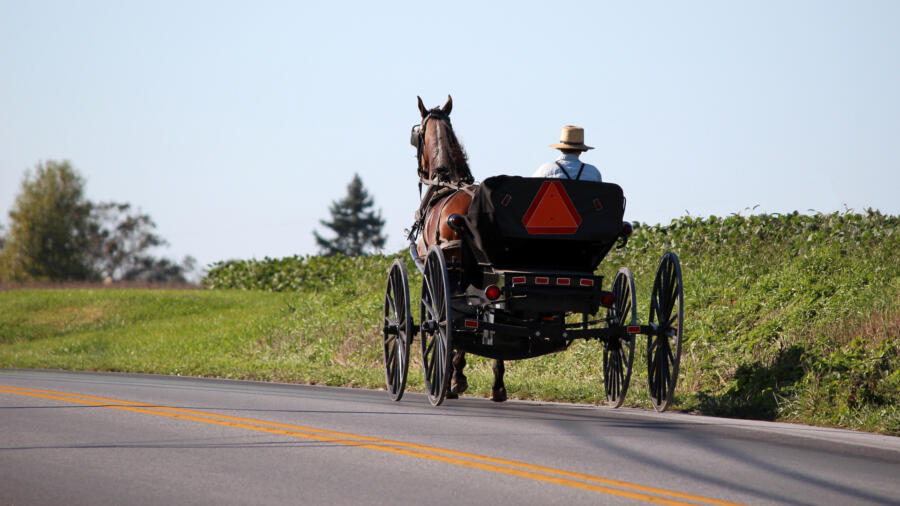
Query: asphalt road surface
[86,438]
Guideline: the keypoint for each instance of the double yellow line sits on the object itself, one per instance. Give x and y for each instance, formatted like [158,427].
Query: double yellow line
[463,459]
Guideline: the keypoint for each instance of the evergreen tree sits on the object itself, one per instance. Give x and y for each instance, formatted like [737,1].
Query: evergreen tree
[354,222]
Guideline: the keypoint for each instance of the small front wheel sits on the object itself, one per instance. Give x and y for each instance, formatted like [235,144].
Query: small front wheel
[436,326]
[398,330]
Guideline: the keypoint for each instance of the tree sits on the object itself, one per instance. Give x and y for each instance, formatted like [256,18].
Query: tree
[49,227]
[354,222]
[120,239]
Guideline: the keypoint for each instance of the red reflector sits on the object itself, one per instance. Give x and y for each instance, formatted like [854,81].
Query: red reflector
[541,280]
[492,292]
[551,211]
[607,299]
[472,324]
[633,329]
[564,281]
[518,280]
[586,282]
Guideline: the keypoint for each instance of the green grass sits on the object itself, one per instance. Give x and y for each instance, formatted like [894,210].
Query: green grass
[791,318]
[226,334]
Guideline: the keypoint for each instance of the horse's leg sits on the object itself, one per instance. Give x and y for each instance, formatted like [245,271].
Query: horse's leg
[458,382]
[498,390]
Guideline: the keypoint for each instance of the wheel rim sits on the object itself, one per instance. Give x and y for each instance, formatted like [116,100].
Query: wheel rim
[436,326]
[397,326]
[664,348]
[618,353]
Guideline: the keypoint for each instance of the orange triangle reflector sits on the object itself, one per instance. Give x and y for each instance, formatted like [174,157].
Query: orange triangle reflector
[551,211]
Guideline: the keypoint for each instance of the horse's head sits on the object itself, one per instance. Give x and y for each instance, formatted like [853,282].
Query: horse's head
[440,155]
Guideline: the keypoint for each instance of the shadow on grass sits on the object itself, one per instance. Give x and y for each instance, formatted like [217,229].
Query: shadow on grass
[754,388]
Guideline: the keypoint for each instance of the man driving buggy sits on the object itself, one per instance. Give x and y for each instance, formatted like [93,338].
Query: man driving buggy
[568,166]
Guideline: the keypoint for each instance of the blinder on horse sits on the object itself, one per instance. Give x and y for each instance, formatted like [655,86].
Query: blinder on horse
[415,137]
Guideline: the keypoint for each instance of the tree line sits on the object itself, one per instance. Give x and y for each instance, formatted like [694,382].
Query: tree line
[56,234]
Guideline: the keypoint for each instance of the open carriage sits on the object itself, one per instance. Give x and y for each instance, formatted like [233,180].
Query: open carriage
[517,280]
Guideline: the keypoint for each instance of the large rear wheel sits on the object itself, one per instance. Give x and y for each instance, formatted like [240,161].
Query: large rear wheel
[664,345]
[398,330]
[618,352]
[436,326]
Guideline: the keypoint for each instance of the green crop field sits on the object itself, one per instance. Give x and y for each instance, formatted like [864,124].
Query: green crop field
[787,317]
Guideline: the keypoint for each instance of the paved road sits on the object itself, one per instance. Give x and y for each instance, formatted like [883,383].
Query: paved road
[84,438]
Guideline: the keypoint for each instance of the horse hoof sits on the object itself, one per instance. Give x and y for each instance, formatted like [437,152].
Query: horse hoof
[451,395]
[458,386]
[498,395]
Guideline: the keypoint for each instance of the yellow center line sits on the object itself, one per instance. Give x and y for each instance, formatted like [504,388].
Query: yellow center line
[464,459]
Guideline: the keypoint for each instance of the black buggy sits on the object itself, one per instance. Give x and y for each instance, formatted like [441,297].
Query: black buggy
[514,284]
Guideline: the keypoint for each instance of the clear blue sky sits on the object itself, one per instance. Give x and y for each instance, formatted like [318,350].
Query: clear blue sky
[235,124]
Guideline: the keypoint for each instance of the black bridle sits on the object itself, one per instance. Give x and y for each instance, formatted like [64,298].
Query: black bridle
[417,139]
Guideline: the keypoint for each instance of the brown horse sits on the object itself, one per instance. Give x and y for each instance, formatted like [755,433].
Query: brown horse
[443,166]
[441,160]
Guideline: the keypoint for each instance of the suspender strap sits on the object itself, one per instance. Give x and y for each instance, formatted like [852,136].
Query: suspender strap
[580,169]
[564,170]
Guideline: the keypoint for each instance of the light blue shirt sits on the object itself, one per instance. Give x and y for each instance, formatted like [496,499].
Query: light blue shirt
[571,163]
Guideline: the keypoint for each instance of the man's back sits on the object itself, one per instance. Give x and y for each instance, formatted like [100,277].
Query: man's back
[568,166]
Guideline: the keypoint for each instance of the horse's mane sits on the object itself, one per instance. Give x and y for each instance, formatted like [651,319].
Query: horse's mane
[456,153]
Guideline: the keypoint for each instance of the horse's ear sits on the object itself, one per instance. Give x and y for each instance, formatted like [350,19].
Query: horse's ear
[422,109]
[448,106]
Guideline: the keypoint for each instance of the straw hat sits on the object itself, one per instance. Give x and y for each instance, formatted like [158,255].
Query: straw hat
[571,137]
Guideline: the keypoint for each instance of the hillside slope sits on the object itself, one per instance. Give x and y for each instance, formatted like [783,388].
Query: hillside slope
[788,317]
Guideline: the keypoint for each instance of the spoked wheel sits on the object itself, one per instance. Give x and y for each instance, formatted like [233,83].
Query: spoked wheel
[664,347]
[436,326]
[398,330]
[618,352]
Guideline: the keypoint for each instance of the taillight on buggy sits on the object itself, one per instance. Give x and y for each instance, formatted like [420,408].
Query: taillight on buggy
[492,292]
[607,299]
[586,282]
[456,222]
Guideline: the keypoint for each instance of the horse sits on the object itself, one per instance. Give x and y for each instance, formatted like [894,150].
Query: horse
[443,166]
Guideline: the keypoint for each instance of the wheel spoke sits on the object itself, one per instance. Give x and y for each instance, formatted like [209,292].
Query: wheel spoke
[432,314]
[392,354]
[671,321]
[390,300]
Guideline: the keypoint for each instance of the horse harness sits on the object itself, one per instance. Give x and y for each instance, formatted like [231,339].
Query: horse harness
[578,176]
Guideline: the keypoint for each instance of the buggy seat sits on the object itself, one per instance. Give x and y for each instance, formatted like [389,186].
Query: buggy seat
[540,223]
